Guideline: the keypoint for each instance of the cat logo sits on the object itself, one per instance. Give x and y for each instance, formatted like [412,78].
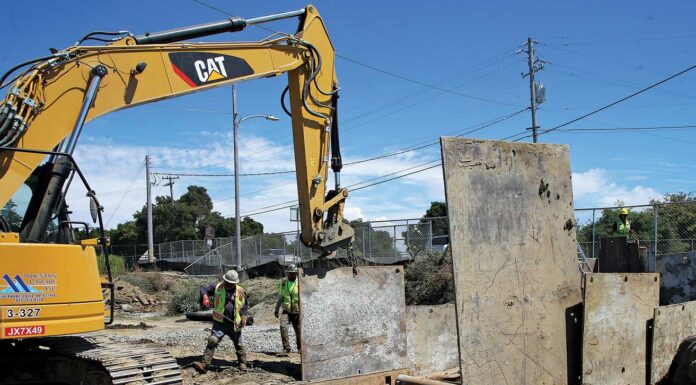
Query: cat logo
[200,68]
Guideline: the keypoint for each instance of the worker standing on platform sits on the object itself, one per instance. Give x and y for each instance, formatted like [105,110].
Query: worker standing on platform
[289,299]
[622,226]
[230,309]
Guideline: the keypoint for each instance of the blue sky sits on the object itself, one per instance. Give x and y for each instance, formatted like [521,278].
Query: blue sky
[596,52]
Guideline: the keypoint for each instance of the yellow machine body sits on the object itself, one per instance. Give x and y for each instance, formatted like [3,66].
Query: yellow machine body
[49,290]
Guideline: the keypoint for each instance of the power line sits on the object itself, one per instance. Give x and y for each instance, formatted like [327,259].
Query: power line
[225,175]
[292,203]
[626,128]
[599,42]
[621,100]
[123,197]
[421,83]
[634,67]
[418,146]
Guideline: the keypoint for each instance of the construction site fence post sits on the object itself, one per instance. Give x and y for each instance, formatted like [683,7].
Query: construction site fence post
[594,233]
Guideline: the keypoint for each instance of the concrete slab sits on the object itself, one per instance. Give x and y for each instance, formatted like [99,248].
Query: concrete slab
[431,333]
[512,233]
[352,325]
[677,277]
[672,324]
[618,308]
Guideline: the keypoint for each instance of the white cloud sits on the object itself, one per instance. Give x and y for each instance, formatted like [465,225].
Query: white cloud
[111,168]
[353,212]
[595,188]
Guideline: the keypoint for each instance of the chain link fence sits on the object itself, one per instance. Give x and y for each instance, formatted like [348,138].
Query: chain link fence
[665,228]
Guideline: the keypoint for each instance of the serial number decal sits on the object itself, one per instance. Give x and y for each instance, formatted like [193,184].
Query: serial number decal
[20,331]
[23,313]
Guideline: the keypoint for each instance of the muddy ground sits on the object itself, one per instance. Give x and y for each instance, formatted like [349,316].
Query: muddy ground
[155,324]
[186,340]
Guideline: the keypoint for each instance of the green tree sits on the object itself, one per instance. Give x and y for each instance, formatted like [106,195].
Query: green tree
[433,226]
[198,201]
[9,212]
[183,219]
[372,242]
[676,223]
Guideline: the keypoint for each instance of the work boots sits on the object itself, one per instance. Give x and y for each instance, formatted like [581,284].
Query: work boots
[242,359]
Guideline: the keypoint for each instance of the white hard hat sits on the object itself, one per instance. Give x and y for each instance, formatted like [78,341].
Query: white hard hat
[231,277]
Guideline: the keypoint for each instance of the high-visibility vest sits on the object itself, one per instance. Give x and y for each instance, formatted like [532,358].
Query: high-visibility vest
[219,304]
[291,296]
[621,228]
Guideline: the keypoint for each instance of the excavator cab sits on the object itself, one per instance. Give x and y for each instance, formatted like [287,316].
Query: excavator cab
[55,288]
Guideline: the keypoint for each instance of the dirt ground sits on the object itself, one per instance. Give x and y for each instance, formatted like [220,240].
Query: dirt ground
[186,340]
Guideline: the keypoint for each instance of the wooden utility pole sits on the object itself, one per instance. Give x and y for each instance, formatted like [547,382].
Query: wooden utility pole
[171,185]
[150,243]
[532,90]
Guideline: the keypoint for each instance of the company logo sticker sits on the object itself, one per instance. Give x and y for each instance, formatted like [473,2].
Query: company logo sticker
[28,287]
[200,68]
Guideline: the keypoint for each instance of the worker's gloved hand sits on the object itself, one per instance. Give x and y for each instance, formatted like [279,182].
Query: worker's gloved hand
[275,313]
[244,321]
[206,301]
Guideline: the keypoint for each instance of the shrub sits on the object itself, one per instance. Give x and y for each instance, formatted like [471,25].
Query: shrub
[140,281]
[185,298]
[430,280]
[118,265]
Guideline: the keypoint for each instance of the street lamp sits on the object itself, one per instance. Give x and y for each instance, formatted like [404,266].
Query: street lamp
[236,122]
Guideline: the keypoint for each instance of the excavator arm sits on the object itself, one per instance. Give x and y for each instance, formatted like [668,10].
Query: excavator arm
[52,97]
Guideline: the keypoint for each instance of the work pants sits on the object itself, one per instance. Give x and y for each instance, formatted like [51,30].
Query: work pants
[286,320]
[220,330]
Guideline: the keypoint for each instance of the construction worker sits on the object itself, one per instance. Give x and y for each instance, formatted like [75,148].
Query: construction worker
[230,309]
[622,226]
[289,299]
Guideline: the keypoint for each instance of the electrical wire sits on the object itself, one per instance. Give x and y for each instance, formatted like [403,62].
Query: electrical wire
[619,101]
[422,83]
[123,197]
[418,146]
[225,175]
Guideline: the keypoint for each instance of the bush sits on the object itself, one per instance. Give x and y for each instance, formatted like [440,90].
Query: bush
[118,265]
[140,281]
[148,282]
[430,280]
[185,298]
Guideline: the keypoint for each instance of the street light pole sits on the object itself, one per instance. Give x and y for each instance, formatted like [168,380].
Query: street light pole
[237,218]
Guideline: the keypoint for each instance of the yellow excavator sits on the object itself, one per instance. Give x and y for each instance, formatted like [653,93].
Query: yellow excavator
[51,292]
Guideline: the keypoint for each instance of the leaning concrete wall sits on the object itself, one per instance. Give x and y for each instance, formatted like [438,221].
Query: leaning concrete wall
[512,234]
[431,333]
[352,324]
[677,283]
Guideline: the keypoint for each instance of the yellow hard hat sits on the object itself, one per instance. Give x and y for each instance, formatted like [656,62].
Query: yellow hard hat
[623,211]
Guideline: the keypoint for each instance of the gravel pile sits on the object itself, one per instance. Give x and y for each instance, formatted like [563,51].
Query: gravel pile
[257,338]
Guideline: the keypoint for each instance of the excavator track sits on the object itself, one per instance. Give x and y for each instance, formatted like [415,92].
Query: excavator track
[93,360]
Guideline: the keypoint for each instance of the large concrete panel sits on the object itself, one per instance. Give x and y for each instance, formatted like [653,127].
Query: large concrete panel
[672,324]
[431,333]
[515,262]
[618,308]
[678,272]
[352,324]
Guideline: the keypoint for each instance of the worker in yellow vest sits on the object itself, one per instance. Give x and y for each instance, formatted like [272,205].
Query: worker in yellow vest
[289,300]
[230,310]
[622,226]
